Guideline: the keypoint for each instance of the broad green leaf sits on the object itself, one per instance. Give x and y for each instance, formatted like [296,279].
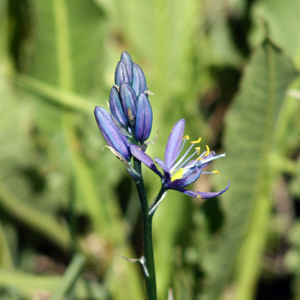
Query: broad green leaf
[249,142]
[67,44]
[35,285]
[283,22]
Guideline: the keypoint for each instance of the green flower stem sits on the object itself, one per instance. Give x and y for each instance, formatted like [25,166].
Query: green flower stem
[147,236]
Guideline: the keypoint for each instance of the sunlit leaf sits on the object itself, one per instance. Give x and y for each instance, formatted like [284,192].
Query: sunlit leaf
[249,139]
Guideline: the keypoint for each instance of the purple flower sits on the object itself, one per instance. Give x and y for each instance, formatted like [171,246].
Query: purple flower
[178,173]
[114,138]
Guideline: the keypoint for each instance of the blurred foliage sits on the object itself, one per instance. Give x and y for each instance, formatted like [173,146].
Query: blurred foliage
[229,68]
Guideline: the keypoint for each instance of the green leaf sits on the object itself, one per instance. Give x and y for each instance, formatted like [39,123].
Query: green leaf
[32,285]
[249,142]
[6,261]
[67,47]
[283,23]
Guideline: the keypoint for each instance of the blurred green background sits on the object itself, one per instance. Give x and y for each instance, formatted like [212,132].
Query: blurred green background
[229,68]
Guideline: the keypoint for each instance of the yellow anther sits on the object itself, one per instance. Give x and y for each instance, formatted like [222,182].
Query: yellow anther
[216,172]
[196,142]
[207,150]
[198,150]
[199,158]
[186,137]
[199,197]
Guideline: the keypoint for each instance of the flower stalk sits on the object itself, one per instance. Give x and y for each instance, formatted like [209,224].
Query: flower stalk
[126,130]
[147,240]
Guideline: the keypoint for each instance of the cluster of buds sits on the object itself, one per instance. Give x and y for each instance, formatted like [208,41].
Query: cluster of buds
[131,112]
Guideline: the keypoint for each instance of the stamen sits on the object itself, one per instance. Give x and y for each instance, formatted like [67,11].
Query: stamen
[207,150]
[205,161]
[196,142]
[179,164]
[199,197]
[180,149]
[216,172]
[186,137]
[199,158]
[198,150]
[213,172]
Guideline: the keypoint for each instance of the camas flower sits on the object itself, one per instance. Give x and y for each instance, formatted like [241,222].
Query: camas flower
[178,173]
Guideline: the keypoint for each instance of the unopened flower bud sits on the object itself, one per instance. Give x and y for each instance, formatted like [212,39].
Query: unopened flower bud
[138,80]
[111,133]
[129,102]
[116,108]
[144,118]
[126,59]
[121,74]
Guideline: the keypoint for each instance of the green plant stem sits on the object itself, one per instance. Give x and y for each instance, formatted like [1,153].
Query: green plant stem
[147,236]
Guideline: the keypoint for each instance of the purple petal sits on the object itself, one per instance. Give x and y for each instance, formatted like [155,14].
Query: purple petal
[165,169]
[174,142]
[203,195]
[121,74]
[129,101]
[143,123]
[116,108]
[126,59]
[138,153]
[111,133]
[184,182]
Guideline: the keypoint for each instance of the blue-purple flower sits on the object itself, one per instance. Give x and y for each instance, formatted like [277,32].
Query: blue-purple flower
[180,170]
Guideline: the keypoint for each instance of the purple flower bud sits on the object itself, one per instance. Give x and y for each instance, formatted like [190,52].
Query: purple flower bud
[144,118]
[121,74]
[116,108]
[126,59]
[129,102]
[138,80]
[111,133]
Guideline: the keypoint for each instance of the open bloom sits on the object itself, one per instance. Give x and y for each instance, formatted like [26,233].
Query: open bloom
[178,173]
